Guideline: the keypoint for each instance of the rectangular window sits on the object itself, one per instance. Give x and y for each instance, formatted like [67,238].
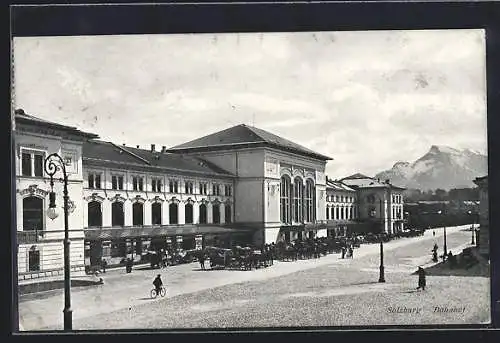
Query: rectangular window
[173,186]
[114,182]
[156,185]
[215,189]
[34,260]
[141,184]
[203,188]
[227,190]
[26,164]
[97,181]
[120,182]
[32,164]
[38,165]
[91,180]
[134,183]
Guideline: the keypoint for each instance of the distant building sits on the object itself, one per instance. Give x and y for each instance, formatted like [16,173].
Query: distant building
[484,230]
[341,207]
[379,202]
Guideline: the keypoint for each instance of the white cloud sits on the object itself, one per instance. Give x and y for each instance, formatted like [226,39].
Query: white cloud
[368,99]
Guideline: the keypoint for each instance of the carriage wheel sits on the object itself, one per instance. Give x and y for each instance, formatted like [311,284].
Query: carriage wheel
[163,291]
[153,293]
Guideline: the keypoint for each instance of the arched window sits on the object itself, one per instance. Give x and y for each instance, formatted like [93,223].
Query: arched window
[337,212]
[203,214]
[216,213]
[95,214]
[173,213]
[156,213]
[188,213]
[137,214]
[309,203]
[228,213]
[332,213]
[351,212]
[342,213]
[117,217]
[327,213]
[32,214]
[297,200]
[285,195]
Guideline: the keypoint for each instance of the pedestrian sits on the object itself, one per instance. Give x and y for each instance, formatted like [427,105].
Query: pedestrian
[351,251]
[202,260]
[128,265]
[433,233]
[103,265]
[343,252]
[421,278]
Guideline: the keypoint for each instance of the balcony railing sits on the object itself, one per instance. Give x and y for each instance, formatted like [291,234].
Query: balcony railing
[30,237]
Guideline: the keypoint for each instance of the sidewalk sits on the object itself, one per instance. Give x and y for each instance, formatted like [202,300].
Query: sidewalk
[121,290]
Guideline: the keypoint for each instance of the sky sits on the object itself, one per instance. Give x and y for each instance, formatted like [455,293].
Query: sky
[366,99]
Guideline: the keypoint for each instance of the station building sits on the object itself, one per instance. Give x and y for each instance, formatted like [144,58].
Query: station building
[241,185]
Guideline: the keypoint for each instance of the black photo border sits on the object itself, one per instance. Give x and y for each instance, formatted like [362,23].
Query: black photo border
[40,18]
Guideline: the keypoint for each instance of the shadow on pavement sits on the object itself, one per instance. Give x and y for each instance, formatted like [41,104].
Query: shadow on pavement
[465,265]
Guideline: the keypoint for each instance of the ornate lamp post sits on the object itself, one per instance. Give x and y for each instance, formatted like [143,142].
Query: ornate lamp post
[54,163]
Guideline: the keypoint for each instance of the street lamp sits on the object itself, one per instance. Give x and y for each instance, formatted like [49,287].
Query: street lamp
[472,229]
[444,232]
[54,163]
[381,277]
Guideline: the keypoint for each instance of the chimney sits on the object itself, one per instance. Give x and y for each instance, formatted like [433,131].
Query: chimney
[137,146]
[152,147]
[163,149]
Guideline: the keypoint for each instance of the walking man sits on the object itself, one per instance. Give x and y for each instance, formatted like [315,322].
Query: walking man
[202,260]
[421,278]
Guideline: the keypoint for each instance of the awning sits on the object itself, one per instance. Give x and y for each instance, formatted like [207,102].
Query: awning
[152,231]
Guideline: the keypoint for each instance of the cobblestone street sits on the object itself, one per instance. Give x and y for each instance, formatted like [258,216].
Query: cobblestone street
[320,292]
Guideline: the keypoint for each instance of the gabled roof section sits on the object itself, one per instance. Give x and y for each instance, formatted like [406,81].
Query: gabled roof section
[338,186]
[243,136]
[356,176]
[362,181]
[22,117]
[101,151]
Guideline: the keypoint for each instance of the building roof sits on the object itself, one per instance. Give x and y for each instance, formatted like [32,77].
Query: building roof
[362,181]
[22,117]
[356,176]
[338,186]
[134,158]
[242,136]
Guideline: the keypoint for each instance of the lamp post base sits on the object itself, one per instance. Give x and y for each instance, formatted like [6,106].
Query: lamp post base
[68,319]
[381,277]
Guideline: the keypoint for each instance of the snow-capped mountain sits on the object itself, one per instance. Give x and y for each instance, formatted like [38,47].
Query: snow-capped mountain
[441,167]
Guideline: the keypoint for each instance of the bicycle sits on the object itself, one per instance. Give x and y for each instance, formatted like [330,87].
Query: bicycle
[153,293]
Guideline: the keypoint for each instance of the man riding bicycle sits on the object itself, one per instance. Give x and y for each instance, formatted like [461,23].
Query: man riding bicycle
[158,283]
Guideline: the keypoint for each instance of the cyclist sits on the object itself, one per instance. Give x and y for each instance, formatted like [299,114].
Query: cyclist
[158,284]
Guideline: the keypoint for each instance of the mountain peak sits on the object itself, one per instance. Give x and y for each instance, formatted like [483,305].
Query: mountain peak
[443,149]
[441,167]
